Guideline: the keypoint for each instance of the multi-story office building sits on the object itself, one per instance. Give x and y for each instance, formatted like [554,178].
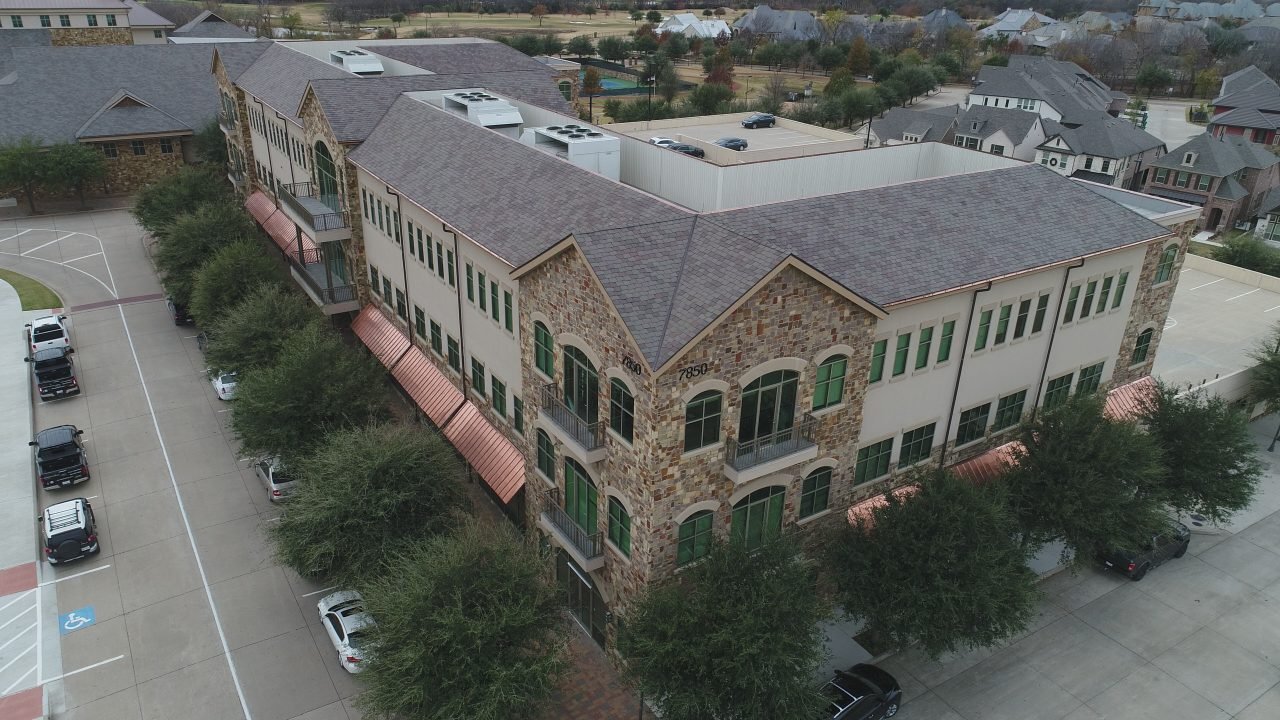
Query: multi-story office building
[87,22]
[638,351]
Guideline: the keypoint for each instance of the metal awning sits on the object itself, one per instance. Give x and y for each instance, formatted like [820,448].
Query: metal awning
[384,340]
[497,461]
[1125,402]
[988,466]
[260,206]
[283,231]
[429,388]
[865,508]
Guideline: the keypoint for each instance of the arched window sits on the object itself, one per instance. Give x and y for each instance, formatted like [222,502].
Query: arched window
[815,492]
[829,389]
[619,527]
[1142,346]
[758,517]
[581,385]
[566,89]
[622,409]
[694,538]
[580,496]
[768,408]
[546,456]
[1164,270]
[544,356]
[326,176]
[702,420]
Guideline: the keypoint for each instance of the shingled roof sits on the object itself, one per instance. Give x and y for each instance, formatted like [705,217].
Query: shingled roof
[1064,86]
[1218,156]
[989,120]
[278,77]
[209,25]
[928,125]
[1104,136]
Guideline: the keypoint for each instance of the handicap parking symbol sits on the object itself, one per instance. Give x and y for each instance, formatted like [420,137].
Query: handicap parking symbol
[76,619]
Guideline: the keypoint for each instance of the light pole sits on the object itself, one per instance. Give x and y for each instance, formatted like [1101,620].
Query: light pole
[649,109]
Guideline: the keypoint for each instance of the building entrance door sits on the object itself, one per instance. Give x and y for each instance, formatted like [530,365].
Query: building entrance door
[581,595]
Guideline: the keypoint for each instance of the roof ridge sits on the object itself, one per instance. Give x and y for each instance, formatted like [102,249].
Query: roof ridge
[675,287]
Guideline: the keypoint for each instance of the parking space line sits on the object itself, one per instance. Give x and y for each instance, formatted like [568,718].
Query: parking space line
[15,659]
[1237,297]
[1211,282]
[66,675]
[17,682]
[38,247]
[1270,309]
[83,257]
[9,642]
[72,577]
[334,587]
[15,617]
[11,602]
[24,232]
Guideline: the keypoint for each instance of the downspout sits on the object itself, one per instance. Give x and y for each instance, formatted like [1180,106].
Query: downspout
[404,267]
[1053,332]
[267,138]
[955,391]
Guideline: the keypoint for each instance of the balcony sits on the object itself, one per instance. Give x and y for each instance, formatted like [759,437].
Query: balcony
[586,549]
[767,454]
[227,122]
[584,438]
[322,215]
[328,292]
[236,176]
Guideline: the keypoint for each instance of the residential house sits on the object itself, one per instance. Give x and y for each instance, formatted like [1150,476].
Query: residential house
[938,22]
[691,26]
[138,105]
[208,27]
[1267,217]
[1100,149]
[1055,89]
[1228,177]
[1248,106]
[1192,11]
[1012,133]
[794,25]
[87,22]
[902,125]
[1011,23]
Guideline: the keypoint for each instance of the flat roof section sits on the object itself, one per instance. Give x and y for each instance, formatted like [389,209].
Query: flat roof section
[786,139]
[1214,323]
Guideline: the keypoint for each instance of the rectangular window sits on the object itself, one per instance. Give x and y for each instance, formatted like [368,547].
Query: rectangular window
[386,289]
[1120,283]
[93,20]
[1042,307]
[1106,165]
[477,376]
[483,302]
[455,358]
[16,20]
[166,146]
[452,268]
[471,290]
[1203,183]
[422,254]
[878,351]
[1090,378]
[437,343]
[419,322]
[873,462]
[401,308]
[44,21]
[409,234]
[829,388]
[499,395]
[1009,410]
[373,278]
[1070,313]
[944,342]
[1182,180]
[1087,306]
[379,213]
[997,149]
[923,346]
[158,34]
[110,150]
[917,445]
[1057,391]
[494,310]
[440,258]
[395,221]
[507,302]
[1104,292]
[1020,325]
[1002,325]
[1088,163]
[517,414]
[64,20]
[139,147]
[984,328]
[900,354]
[1162,176]
[973,424]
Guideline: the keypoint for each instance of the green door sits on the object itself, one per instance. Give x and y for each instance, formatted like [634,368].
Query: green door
[580,496]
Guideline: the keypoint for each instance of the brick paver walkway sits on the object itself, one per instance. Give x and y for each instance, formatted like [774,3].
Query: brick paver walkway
[592,689]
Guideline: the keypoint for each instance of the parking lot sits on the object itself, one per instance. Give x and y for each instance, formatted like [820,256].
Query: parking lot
[758,139]
[184,613]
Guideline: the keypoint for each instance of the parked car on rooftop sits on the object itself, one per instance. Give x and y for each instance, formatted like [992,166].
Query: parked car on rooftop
[688,150]
[661,141]
[732,143]
[759,120]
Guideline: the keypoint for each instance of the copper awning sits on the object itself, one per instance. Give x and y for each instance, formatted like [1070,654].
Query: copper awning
[430,389]
[1126,401]
[260,206]
[283,231]
[385,340]
[866,508]
[989,465]
[497,461]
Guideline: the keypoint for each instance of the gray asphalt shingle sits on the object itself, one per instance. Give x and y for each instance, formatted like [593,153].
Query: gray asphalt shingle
[1218,156]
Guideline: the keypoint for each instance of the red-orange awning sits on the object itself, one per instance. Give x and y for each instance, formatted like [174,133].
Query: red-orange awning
[865,508]
[384,340]
[497,461]
[429,388]
[283,231]
[1125,402]
[260,206]
[989,465]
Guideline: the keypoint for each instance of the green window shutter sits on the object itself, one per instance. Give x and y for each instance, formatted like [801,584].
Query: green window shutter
[900,354]
[619,527]
[499,397]
[878,351]
[829,388]
[944,342]
[455,357]
[477,376]
[419,322]
[436,339]
[517,414]
[1142,346]
[923,346]
[984,328]
[480,278]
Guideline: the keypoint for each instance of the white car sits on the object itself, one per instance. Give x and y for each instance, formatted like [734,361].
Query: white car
[224,384]
[346,623]
[661,141]
[48,332]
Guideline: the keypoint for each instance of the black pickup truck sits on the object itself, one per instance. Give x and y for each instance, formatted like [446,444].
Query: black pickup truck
[55,373]
[60,457]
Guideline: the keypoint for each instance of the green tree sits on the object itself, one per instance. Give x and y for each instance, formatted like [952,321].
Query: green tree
[830,22]
[23,166]
[292,21]
[721,71]
[527,44]
[859,59]
[676,45]
[72,166]
[612,48]
[317,384]
[1211,466]
[1246,250]
[910,57]
[949,571]
[653,17]
[193,237]
[893,88]
[552,45]
[636,16]
[645,43]
[468,625]
[581,46]
[919,80]
[707,99]
[770,55]
[841,81]
[364,494]
[830,57]
[858,104]
[211,145]
[160,202]
[734,636]
[997,60]
[1152,76]
[251,333]
[227,277]
[1265,386]
[537,12]
[1086,499]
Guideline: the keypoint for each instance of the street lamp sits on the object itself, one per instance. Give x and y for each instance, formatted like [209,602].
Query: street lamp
[649,110]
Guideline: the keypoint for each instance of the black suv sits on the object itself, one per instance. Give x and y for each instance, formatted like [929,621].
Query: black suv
[60,457]
[691,150]
[863,692]
[69,531]
[732,143]
[179,312]
[55,372]
[1135,564]
[759,120]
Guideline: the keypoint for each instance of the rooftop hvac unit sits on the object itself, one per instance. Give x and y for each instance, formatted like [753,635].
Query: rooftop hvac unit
[356,61]
[483,109]
[581,145]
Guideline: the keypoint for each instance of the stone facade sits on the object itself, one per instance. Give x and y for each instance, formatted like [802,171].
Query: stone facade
[90,36]
[790,321]
[239,137]
[316,128]
[1150,306]
[128,172]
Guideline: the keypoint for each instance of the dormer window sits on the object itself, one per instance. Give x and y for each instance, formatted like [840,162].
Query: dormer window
[974,127]
[1189,159]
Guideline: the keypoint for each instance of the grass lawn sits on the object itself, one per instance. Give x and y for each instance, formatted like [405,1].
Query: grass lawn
[34,296]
